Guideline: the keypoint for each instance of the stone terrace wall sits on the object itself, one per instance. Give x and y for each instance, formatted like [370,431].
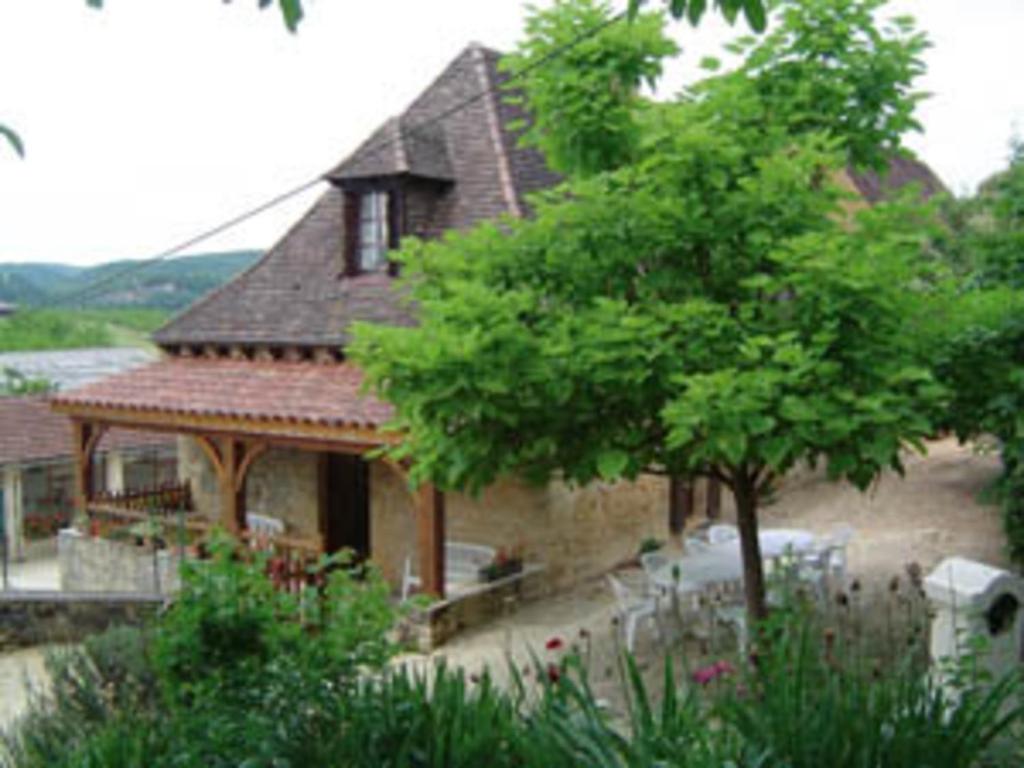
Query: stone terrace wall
[89,564]
[37,618]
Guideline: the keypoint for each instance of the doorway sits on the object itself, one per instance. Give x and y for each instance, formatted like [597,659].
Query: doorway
[346,504]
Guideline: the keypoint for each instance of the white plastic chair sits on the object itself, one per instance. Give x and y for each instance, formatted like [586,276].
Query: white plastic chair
[837,541]
[814,569]
[722,534]
[632,610]
[263,525]
[410,581]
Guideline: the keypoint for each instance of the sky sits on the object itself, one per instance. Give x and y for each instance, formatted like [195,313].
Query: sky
[154,120]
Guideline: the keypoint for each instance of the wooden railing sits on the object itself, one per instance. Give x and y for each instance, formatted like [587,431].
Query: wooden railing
[164,512]
[290,559]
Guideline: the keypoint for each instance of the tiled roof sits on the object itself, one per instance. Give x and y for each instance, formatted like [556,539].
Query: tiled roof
[296,295]
[324,394]
[31,432]
[902,170]
[399,148]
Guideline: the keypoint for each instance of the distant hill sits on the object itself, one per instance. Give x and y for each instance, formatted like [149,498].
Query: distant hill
[168,285]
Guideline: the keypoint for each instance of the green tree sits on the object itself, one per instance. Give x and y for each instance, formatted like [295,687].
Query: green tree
[710,307]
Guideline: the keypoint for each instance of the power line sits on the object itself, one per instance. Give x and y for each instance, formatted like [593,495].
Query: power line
[139,266]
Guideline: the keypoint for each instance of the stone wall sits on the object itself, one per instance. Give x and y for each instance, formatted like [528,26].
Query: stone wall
[89,564]
[576,533]
[282,483]
[195,468]
[38,618]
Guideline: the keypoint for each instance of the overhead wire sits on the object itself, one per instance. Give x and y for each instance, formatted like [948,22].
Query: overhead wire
[136,267]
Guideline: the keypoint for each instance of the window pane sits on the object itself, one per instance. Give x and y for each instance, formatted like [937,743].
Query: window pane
[373,229]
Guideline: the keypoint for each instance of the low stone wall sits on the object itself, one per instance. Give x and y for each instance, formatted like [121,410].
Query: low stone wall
[89,564]
[436,624]
[40,618]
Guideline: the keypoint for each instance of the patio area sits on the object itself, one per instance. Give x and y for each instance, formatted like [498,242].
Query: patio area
[931,513]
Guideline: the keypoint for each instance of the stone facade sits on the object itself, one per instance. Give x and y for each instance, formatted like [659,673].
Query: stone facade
[576,533]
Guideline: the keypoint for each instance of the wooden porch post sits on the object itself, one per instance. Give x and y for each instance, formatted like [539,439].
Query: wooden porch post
[85,436]
[430,530]
[232,486]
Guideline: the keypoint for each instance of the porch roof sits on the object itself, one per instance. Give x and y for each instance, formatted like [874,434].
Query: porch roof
[300,399]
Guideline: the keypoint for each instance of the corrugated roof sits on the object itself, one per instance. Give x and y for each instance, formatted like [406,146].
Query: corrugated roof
[323,394]
[69,368]
[31,432]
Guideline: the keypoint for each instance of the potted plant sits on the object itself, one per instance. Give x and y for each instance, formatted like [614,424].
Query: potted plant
[505,563]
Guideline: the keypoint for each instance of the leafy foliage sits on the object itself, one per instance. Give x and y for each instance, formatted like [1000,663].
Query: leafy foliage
[42,329]
[976,333]
[13,139]
[291,10]
[755,11]
[584,92]
[805,698]
[713,306]
[16,384]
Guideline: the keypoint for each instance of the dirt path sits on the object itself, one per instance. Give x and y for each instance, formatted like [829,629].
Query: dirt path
[931,513]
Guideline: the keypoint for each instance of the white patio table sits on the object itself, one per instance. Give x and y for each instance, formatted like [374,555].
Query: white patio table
[722,563]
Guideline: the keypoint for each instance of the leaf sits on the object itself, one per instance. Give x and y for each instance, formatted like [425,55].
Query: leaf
[292,12]
[612,463]
[755,13]
[13,139]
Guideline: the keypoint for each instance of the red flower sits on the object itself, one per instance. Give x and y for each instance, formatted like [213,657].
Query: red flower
[554,673]
[554,644]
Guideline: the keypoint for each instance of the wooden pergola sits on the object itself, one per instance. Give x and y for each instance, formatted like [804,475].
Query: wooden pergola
[236,411]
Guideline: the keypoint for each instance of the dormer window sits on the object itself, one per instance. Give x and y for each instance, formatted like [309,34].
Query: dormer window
[373,224]
[374,230]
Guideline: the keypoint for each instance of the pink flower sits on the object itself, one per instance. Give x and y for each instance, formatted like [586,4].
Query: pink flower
[554,644]
[554,673]
[709,674]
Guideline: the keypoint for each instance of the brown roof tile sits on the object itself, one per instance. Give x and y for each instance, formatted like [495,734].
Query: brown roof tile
[295,294]
[300,392]
[31,432]
[902,170]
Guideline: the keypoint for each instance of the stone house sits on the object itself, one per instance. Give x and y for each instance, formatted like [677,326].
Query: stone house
[255,378]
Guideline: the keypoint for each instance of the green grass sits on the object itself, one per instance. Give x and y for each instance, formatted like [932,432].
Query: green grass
[42,329]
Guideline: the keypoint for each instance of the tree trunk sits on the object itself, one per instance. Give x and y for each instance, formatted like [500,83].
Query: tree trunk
[680,505]
[745,492]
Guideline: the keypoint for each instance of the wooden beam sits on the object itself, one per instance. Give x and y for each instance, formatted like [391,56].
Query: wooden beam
[430,530]
[307,435]
[252,452]
[85,436]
